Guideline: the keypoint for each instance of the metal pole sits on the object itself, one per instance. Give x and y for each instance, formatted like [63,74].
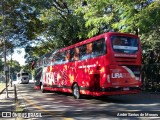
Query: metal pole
[14,93]
[11,74]
[5,65]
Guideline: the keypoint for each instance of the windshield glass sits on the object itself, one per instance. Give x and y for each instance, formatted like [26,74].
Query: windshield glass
[123,44]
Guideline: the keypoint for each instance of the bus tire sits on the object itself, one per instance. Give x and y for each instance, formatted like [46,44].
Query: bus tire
[76,92]
[42,89]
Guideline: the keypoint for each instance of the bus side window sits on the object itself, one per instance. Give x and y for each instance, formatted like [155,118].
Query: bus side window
[42,62]
[104,46]
[76,54]
[57,58]
[47,61]
[67,56]
[53,58]
[89,48]
[60,58]
[83,52]
[71,55]
[99,48]
[50,60]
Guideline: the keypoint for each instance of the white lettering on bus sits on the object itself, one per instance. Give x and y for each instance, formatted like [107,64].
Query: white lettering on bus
[116,75]
[54,77]
[120,75]
[50,77]
[125,55]
[87,66]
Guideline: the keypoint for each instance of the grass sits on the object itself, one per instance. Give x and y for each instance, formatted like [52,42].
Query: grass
[19,107]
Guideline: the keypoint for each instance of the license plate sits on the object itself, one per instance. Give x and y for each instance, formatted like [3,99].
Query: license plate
[126,88]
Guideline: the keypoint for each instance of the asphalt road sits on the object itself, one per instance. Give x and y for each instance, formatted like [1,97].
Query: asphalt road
[64,106]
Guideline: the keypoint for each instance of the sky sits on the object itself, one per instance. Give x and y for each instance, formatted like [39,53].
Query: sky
[19,56]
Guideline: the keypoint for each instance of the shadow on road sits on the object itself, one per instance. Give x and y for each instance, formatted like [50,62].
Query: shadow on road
[63,102]
[141,98]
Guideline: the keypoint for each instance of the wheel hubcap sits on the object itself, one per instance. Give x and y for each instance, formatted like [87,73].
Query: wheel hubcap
[41,87]
[76,91]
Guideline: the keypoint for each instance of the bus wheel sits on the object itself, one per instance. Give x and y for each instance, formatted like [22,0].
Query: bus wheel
[42,89]
[76,92]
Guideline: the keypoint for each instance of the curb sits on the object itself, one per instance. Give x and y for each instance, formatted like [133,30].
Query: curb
[3,90]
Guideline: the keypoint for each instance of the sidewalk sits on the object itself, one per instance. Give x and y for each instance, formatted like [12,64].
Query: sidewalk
[7,104]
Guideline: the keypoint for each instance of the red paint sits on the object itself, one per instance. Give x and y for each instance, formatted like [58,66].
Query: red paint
[110,73]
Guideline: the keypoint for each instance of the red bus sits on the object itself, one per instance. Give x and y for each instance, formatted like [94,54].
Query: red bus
[107,64]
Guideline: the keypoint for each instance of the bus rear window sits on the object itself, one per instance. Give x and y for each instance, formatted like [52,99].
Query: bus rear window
[123,44]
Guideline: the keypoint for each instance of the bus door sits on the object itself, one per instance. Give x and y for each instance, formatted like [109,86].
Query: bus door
[67,71]
[87,69]
[96,63]
[94,81]
[75,66]
[93,75]
[78,66]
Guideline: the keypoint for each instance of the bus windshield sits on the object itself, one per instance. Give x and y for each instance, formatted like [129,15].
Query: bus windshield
[124,44]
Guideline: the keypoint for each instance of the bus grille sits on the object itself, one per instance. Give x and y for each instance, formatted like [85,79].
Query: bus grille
[125,60]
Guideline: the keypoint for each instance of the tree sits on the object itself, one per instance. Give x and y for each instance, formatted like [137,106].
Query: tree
[1,66]
[20,21]
[14,66]
[62,27]
[54,24]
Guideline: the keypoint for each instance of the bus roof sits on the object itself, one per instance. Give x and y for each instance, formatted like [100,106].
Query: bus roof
[86,41]
[98,37]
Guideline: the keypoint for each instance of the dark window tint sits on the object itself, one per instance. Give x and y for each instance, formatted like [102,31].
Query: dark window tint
[93,49]
[83,52]
[66,56]
[24,74]
[59,58]
[99,48]
[75,54]
[47,61]
[124,44]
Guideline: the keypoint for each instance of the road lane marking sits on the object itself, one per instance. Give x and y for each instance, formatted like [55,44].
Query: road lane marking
[44,110]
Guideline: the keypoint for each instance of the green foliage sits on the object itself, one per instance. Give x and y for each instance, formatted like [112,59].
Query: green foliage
[14,66]
[21,22]
[62,27]
[139,17]
[1,66]
[54,24]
